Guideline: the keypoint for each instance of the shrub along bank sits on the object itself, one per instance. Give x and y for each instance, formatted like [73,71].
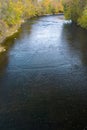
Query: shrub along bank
[76,10]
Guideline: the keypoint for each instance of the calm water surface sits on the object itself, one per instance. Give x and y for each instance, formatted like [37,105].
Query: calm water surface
[43,77]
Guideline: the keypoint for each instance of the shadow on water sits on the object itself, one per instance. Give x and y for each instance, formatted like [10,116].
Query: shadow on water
[10,42]
[76,39]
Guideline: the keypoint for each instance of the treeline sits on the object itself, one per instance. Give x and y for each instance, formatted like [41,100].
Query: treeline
[76,10]
[13,12]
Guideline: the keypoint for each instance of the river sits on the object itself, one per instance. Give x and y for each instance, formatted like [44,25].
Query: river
[43,77]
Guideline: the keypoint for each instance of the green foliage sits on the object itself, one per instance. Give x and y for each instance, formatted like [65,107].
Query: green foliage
[11,12]
[29,9]
[76,10]
[82,21]
[71,9]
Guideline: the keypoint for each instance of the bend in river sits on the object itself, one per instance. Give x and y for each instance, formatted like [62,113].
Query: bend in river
[43,77]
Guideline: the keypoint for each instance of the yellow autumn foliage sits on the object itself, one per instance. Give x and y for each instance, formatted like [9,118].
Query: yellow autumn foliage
[13,11]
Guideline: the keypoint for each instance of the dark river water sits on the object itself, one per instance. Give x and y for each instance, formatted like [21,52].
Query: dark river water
[43,77]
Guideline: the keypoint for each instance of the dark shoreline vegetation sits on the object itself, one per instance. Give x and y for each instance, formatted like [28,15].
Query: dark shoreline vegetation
[15,12]
[76,10]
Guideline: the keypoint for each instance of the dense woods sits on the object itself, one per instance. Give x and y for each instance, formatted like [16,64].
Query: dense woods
[76,10]
[14,12]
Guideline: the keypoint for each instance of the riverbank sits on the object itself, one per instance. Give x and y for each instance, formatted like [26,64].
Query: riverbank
[9,31]
[12,14]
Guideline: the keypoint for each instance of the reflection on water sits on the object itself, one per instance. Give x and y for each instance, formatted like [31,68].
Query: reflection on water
[43,78]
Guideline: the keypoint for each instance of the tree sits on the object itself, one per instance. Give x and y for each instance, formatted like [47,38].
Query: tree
[76,10]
